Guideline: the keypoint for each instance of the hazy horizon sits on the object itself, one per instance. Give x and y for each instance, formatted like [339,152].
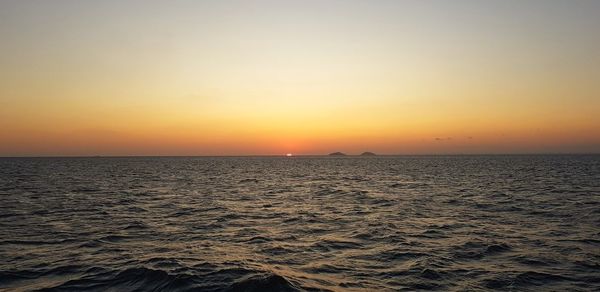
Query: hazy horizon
[285,155]
[214,78]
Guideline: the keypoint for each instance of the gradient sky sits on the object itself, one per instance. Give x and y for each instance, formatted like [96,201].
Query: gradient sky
[306,77]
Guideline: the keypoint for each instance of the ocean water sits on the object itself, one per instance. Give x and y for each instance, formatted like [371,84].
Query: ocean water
[521,223]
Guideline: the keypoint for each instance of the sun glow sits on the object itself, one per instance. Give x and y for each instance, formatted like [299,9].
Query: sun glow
[310,77]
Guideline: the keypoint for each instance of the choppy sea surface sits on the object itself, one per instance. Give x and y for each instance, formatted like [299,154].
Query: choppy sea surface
[521,223]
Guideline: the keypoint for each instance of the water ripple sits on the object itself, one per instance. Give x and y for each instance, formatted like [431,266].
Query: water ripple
[522,223]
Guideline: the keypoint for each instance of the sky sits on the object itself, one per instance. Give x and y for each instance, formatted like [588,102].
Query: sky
[248,77]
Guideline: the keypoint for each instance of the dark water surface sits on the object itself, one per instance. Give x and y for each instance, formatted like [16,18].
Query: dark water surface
[302,223]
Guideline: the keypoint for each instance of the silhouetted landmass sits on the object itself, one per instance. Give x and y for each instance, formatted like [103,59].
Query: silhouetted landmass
[368,154]
[337,154]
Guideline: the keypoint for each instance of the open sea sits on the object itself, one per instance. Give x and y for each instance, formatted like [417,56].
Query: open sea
[383,223]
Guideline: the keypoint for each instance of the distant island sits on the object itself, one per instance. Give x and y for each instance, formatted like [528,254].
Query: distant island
[337,154]
[368,154]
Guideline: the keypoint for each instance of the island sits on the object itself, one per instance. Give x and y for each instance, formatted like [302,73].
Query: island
[337,154]
[368,154]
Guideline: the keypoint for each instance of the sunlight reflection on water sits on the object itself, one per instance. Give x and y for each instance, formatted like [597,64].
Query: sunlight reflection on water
[343,223]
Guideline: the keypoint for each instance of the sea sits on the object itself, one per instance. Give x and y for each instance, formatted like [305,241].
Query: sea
[305,223]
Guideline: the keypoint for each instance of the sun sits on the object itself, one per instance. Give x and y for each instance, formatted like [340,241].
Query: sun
[289,155]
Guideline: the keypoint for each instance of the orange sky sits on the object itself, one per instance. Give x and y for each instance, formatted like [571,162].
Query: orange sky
[303,77]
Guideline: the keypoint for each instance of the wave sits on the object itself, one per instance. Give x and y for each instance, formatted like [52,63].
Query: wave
[134,279]
[266,283]
[478,250]
[147,279]
[38,242]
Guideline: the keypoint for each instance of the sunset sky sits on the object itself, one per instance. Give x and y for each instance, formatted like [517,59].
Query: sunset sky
[302,77]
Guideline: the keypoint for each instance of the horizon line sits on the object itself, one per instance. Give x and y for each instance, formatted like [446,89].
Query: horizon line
[307,155]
